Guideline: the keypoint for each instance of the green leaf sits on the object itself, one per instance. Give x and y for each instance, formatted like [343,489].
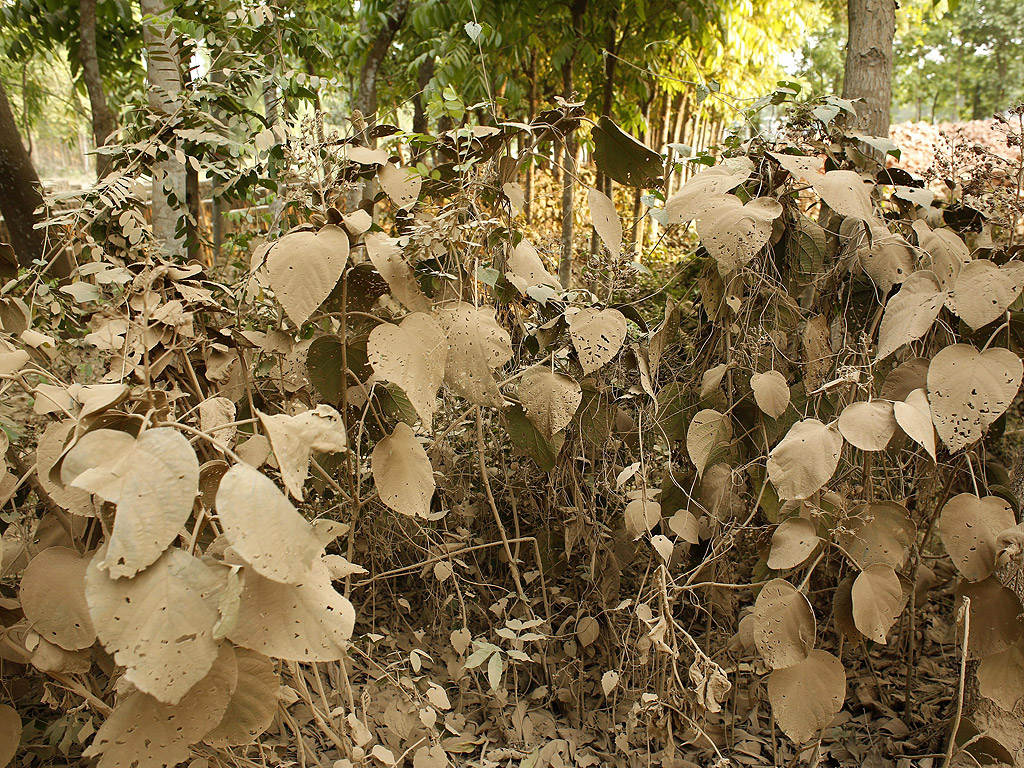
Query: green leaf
[528,440]
[623,158]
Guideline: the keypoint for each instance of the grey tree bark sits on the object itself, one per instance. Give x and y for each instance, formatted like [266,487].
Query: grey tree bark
[103,122]
[868,69]
[163,70]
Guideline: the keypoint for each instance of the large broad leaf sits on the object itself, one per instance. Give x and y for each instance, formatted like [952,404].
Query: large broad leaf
[868,425]
[304,267]
[792,543]
[160,624]
[948,252]
[983,291]
[526,271]
[402,473]
[49,450]
[143,732]
[264,528]
[805,460]
[877,601]
[914,416]
[624,159]
[305,622]
[411,355]
[642,514]
[529,440]
[887,259]
[734,232]
[847,193]
[1001,677]
[771,392]
[784,625]
[253,704]
[996,622]
[881,532]
[402,185]
[807,696]
[969,527]
[707,436]
[386,257]
[597,336]
[10,733]
[909,314]
[550,399]
[153,480]
[53,598]
[477,345]
[969,390]
[295,438]
[692,200]
[606,221]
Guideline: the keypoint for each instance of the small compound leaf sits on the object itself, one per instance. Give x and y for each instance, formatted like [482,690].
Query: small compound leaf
[709,433]
[159,624]
[305,622]
[264,528]
[805,459]
[303,268]
[877,601]
[914,416]
[477,345]
[784,625]
[252,706]
[910,314]
[624,159]
[606,221]
[771,392]
[868,425]
[969,527]
[597,336]
[402,473]
[792,543]
[806,697]
[386,257]
[550,399]
[968,390]
[53,598]
[411,355]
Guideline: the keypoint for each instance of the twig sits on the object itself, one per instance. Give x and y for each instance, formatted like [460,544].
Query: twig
[963,677]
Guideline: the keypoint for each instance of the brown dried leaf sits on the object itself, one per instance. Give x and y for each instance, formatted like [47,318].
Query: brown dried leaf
[304,267]
[402,473]
[969,390]
[53,598]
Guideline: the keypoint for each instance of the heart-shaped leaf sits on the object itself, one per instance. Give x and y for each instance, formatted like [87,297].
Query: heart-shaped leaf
[411,355]
[597,336]
[784,625]
[303,268]
[550,399]
[807,696]
[877,601]
[969,527]
[402,473]
[805,459]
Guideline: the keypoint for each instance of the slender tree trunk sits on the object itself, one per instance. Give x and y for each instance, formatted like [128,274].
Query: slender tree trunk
[868,76]
[103,123]
[602,182]
[423,77]
[164,73]
[20,184]
[577,9]
[531,95]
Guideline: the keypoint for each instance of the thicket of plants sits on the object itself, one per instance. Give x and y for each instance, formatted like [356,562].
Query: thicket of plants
[389,480]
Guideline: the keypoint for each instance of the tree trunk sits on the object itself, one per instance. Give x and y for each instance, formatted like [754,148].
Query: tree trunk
[164,74]
[531,98]
[577,9]
[20,185]
[869,62]
[103,123]
[602,182]
[423,77]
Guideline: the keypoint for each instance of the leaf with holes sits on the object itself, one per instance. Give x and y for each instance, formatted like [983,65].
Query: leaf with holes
[693,198]
[477,345]
[303,268]
[411,355]
[805,459]
[983,291]
[402,473]
[784,625]
[153,480]
[792,543]
[386,257]
[606,221]
[263,527]
[968,390]
[910,314]
[807,696]
[877,601]
[53,598]
[160,624]
[887,259]
[969,527]
[294,438]
[597,336]
[868,425]
[622,158]
[707,437]
[881,532]
[771,392]
[550,399]
[734,232]
[402,185]
[253,704]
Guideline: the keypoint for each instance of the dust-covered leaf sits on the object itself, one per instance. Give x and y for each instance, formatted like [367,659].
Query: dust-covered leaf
[253,704]
[550,399]
[792,543]
[526,270]
[708,435]
[996,620]
[263,527]
[386,257]
[477,345]
[53,598]
[642,514]
[877,601]
[805,459]
[948,252]
[771,392]
[807,696]
[402,185]
[295,438]
[606,221]
[914,415]
[969,527]
[1001,677]
[784,625]
[402,473]
[597,336]
[10,733]
[692,199]
[734,232]
[411,355]
[982,291]
[968,390]
[846,192]
[882,532]
[868,425]
[304,267]
[910,314]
